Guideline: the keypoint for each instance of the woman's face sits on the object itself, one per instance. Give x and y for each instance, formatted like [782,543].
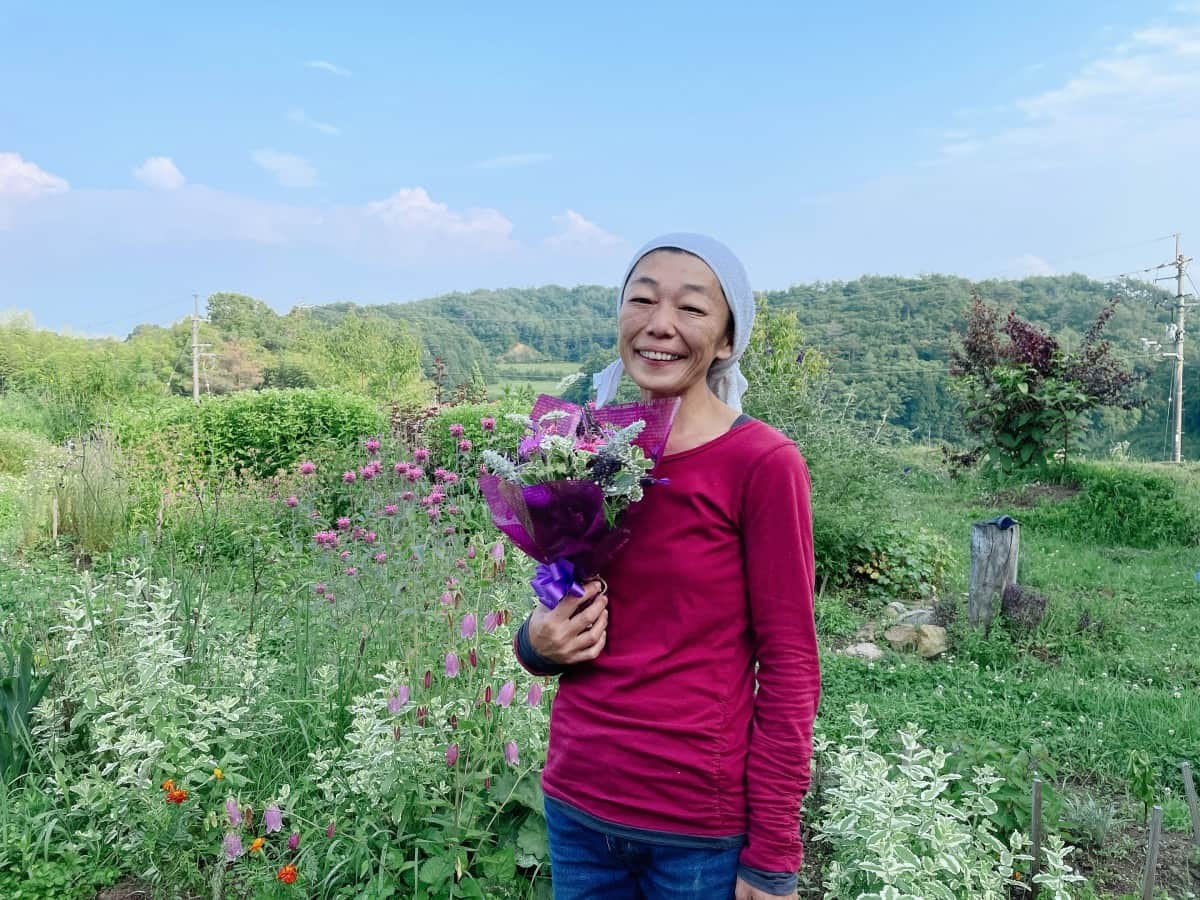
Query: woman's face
[673,324]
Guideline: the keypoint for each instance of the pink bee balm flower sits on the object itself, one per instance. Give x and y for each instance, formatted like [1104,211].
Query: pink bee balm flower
[451,478]
[451,582]
[294,840]
[464,445]
[512,754]
[415,473]
[456,430]
[487,423]
[345,554]
[391,509]
[319,589]
[507,691]
[407,495]
[370,537]
[400,468]
[467,630]
[380,557]
[451,665]
[343,523]
[272,819]
[534,697]
[452,510]
[434,512]
[460,563]
[439,473]
[421,455]
[351,571]
[233,811]
[491,621]
[452,754]
[349,477]
[314,515]
[372,445]
[329,829]
[448,530]
[308,468]
[367,472]
[329,597]
[232,846]
[292,501]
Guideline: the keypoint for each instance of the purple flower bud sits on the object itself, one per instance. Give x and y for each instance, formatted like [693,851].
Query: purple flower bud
[452,754]
[512,753]
[233,811]
[491,621]
[329,830]
[272,819]
[451,665]
[308,468]
[292,501]
[349,477]
[534,697]
[232,847]
[294,840]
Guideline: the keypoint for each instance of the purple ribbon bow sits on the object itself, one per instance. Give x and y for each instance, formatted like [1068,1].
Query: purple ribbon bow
[554,580]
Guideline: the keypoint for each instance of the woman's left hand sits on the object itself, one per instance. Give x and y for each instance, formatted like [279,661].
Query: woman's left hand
[744,891]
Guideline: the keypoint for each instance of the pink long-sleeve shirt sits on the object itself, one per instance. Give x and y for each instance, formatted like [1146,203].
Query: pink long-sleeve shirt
[666,731]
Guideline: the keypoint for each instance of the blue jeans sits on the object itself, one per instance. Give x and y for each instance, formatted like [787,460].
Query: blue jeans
[586,864]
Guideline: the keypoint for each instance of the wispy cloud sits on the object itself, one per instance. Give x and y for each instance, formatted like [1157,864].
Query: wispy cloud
[160,174]
[578,233]
[1030,264]
[22,179]
[289,170]
[514,160]
[326,66]
[300,117]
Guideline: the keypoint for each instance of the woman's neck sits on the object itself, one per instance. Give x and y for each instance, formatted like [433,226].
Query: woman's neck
[701,418]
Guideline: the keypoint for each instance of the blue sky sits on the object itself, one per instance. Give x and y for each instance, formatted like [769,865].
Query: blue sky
[303,153]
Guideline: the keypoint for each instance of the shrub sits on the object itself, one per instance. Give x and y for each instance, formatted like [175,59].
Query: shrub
[894,832]
[1123,505]
[93,496]
[19,449]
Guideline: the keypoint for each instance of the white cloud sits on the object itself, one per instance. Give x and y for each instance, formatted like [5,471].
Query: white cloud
[300,117]
[159,173]
[22,179]
[413,213]
[289,170]
[514,160]
[326,66]
[577,233]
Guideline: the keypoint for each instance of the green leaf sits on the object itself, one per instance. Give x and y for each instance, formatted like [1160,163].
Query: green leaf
[436,870]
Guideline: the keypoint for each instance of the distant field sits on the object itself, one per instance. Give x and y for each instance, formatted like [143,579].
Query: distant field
[543,377]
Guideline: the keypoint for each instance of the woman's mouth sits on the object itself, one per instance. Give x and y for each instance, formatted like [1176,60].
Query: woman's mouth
[656,356]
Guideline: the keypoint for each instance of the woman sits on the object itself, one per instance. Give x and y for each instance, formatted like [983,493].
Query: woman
[669,775]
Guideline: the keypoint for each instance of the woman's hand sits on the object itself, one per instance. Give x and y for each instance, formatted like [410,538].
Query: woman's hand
[746,892]
[574,631]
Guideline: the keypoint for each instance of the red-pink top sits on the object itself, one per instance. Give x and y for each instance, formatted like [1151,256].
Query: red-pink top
[665,730]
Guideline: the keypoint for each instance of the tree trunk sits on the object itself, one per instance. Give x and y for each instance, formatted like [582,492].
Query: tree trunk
[994,549]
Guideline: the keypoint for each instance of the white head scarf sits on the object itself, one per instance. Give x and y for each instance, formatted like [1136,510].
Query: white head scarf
[725,377]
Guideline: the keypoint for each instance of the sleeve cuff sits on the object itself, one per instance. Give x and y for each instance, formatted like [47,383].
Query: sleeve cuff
[530,658]
[778,883]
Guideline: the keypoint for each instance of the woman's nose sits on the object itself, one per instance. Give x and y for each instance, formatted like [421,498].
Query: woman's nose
[662,320]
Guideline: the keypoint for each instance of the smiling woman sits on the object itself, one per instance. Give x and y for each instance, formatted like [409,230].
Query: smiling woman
[695,700]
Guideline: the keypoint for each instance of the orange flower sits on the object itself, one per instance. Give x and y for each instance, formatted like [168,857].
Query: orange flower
[176,796]
[287,874]
[169,784]
[257,844]
[218,774]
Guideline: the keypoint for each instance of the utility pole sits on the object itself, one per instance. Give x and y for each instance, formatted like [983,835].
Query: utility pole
[1176,331]
[196,345]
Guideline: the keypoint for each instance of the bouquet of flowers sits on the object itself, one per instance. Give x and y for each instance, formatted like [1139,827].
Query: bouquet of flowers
[577,470]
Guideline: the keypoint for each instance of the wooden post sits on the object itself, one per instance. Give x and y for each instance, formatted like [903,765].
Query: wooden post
[54,519]
[995,546]
[1189,788]
[1035,836]
[1156,818]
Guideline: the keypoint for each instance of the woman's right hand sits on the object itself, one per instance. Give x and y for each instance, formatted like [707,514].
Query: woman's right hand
[575,631]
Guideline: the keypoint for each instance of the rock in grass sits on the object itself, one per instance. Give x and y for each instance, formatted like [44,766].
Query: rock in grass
[866,650]
[902,637]
[931,640]
[917,617]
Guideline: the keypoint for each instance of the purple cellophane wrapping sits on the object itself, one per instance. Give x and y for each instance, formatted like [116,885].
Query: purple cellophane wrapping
[659,416]
[554,520]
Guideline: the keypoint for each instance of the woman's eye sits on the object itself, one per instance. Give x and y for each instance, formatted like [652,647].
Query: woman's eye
[693,309]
